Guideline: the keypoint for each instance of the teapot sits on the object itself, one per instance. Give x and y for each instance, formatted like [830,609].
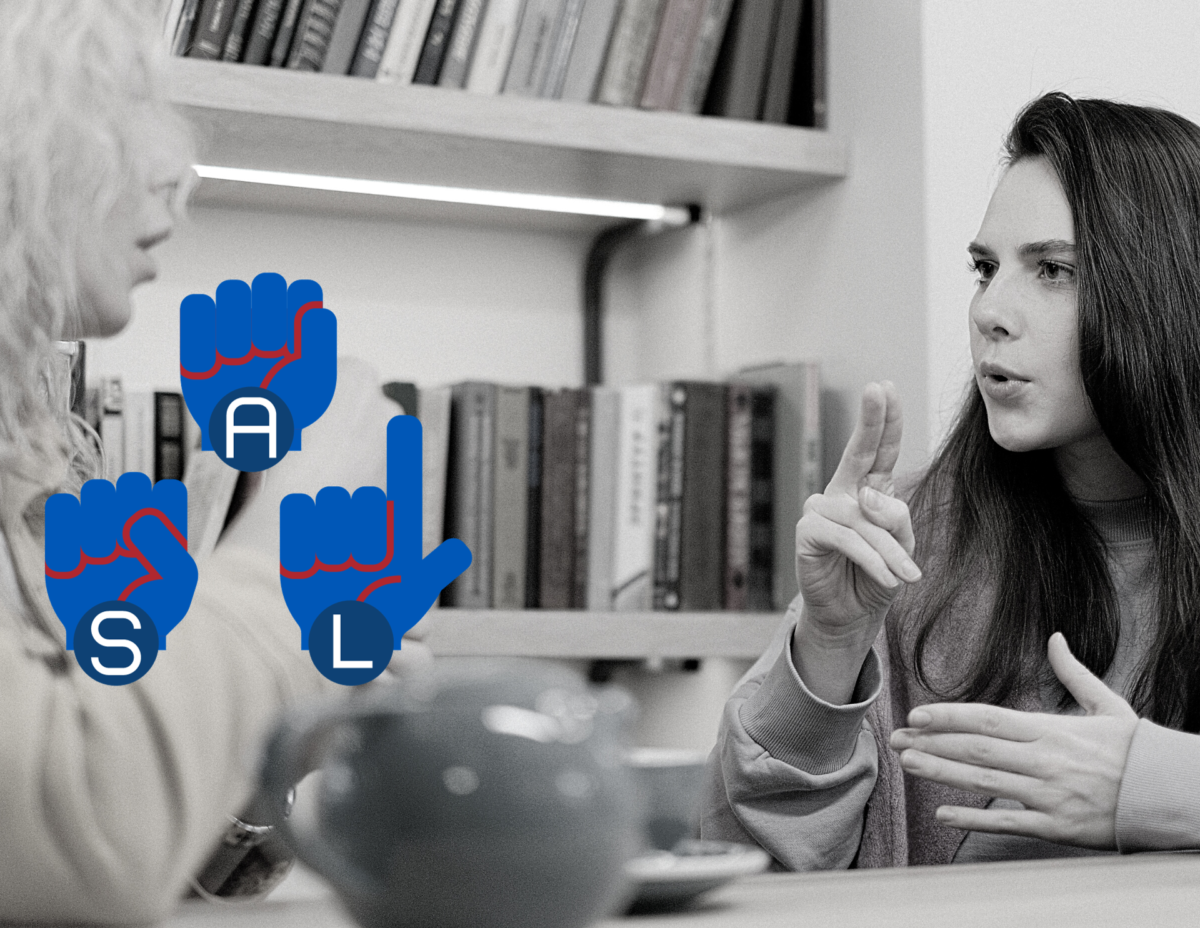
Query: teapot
[476,793]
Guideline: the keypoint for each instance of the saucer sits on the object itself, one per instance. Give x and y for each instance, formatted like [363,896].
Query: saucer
[665,879]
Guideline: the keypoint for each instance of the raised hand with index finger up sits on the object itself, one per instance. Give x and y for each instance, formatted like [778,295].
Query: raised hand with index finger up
[854,547]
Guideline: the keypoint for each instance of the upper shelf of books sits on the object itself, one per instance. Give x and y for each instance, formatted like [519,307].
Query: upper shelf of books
[285,120]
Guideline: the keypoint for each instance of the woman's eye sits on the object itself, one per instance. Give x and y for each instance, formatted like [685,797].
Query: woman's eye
[984,270]
[1057,273]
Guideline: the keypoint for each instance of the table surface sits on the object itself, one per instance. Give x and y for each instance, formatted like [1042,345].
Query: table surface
[1094,892]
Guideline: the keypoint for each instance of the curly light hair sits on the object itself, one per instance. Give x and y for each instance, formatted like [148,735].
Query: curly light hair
[80,102]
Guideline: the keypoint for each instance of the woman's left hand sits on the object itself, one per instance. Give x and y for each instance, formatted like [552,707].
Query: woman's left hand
[1064,769]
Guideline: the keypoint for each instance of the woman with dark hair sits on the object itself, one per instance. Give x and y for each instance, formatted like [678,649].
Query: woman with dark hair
[906,715]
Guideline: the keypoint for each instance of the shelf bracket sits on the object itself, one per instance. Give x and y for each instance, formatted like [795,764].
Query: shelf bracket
[601,251]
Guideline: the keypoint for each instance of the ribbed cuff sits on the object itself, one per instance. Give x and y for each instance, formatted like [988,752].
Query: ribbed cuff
[800,729]
[1158,806]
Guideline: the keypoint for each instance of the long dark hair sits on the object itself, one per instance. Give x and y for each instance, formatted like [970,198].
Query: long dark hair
[1131,176]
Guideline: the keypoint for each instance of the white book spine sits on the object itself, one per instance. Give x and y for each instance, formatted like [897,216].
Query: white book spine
[112,428]
[435,456]
[637,474]
[811,478]
[602,485]
[139,432]
[405,41]
[493,49]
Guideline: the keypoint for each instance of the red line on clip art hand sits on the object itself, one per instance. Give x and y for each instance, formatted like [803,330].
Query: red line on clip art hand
[285,357]
[130,550]
[351,564]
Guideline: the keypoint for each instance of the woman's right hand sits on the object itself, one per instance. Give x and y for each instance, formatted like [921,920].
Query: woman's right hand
[854,545]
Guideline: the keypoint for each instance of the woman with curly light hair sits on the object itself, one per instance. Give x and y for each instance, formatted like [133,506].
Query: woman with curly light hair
[113,797]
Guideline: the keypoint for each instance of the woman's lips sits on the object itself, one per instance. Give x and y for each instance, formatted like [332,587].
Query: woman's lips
[1000,383]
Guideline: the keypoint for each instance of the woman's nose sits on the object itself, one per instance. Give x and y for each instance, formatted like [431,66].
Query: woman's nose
[991,310]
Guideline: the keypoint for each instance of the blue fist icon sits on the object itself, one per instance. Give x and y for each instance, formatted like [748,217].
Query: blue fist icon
[117,563]
[257,366]
[348,550]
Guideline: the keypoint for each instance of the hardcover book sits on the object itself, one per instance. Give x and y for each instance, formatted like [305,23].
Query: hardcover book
[493,48]
[560,448]
[469,501]
[624,72]
[351,20]
[511,483]
[672,54]
[736,90]
[587,54]
[602,514]
[462,44]
[406,40]
[374,38]
[433,52]
[632,584]
[262,32]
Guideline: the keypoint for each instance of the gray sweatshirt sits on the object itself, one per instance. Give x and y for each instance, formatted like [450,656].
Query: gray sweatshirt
[818,787]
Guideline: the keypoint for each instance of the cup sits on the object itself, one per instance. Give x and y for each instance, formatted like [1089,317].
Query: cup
[477,793]
[670,781]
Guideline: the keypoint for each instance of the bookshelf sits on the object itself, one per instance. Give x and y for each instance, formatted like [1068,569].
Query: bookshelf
[275,119]
[580,634]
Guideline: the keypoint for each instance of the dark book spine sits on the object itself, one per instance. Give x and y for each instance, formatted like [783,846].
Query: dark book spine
[374,38]
[533,521]
[583,438]
[670,499]
[262,32]
[462,44]
[737,498]
[780,70]
[559,444]
[760,592]
[741,69]
[465,490]
[286,32]
[212,28]
[351,22]
[702,516]
[313,32]
[239,29]
[168,436]
[433,52]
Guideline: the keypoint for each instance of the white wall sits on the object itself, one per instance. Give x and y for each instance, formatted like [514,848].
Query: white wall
[982,62]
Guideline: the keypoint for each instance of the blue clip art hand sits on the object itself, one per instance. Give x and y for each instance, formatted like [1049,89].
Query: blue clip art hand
[267,335]
[127,543]
[366,547]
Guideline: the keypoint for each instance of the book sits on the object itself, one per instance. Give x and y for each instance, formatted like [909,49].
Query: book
[314,30]
[169,457]
[560,49]
[403,394]
[806,105]
[702,507]
[797,459]
[583,442]
[433,52]
[374,38]
[138,411]
[669,497]
[212,27]
[587,54]
[262,32]
[405,41]
[343,42]
[462,44]
[533,502]
[708,43]
[602,512]
[533,47]
[185,27]
[493,48]
[672,53]
[170,22]
[760,577]
[633,38]
[239,30]
[777,94]
[469,486]
[282,45]
[632,584]
[559,450]
[510,486]
[741,68]
[112,427]
[434,412]
[737,497]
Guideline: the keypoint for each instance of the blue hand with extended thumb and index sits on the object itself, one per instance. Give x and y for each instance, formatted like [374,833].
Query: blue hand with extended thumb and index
[366,547]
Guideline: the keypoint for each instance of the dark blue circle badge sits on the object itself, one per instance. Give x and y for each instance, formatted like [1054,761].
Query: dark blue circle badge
[116,643]
[251,429]
[351,643]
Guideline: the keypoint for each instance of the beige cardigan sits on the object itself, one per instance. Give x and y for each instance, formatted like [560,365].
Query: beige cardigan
[111,796]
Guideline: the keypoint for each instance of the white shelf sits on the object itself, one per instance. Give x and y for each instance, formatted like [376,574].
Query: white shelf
[276,119]
[581,634]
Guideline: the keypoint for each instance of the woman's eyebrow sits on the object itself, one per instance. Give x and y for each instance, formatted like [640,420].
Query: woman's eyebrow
[980,251]
[1053,246]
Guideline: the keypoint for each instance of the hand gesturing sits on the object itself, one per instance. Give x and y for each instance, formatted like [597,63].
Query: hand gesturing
[854,543]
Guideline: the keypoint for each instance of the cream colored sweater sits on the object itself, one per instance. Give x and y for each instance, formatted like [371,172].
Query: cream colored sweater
[111,796]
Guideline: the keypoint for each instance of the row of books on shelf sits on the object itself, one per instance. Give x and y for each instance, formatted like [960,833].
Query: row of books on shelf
[680,495]
[743,59]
